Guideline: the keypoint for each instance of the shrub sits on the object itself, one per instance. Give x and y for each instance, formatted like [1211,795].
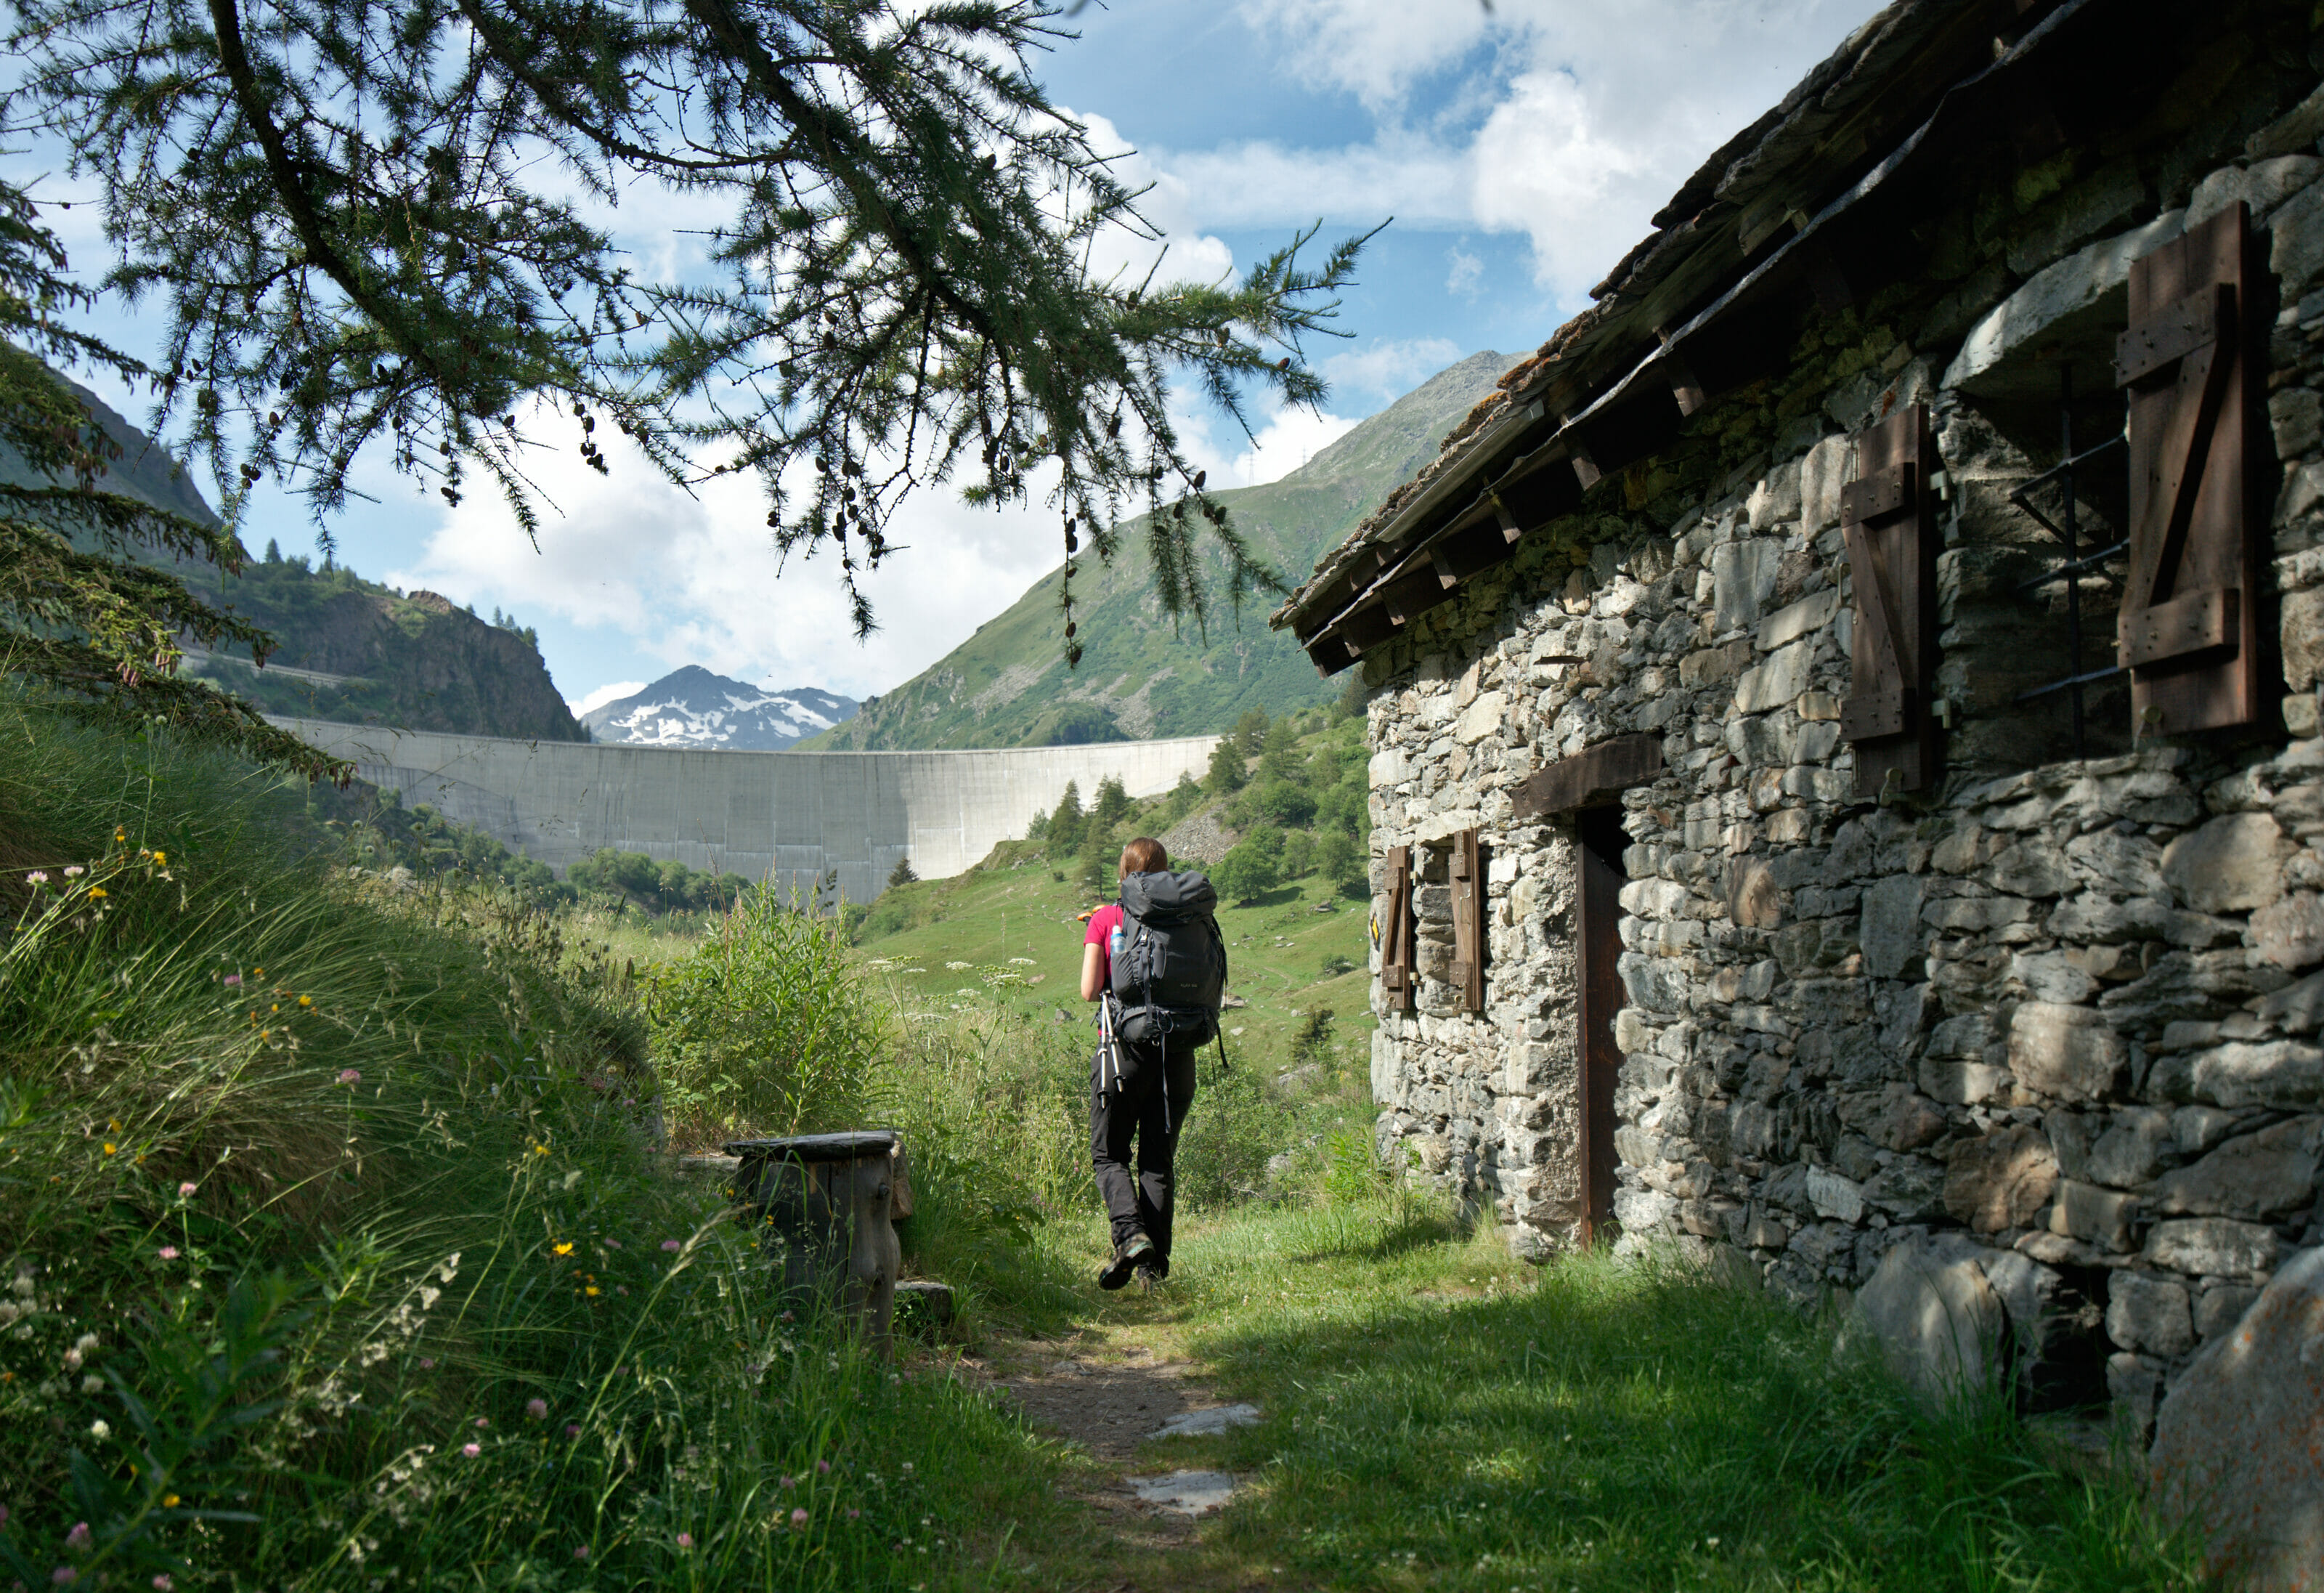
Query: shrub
[764,1030]
[1247,871]
[1298,853]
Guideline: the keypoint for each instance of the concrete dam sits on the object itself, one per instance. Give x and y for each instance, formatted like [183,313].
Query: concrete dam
[786,816]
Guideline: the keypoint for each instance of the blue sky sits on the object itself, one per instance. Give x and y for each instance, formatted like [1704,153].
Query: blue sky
[1520,151]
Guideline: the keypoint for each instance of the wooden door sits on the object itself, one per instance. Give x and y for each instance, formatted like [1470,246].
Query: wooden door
[1598,861]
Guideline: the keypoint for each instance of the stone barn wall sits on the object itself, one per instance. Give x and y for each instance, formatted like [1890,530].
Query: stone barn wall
[2055,1015]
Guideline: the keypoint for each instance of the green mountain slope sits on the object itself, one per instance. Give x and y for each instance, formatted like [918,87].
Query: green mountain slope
[350,649]
[1139,676]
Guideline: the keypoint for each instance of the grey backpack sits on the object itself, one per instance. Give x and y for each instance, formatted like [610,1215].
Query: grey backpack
[1171,972]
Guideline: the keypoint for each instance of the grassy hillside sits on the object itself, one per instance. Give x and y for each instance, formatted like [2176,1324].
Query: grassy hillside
[1140,676]
[418,660]
[1008,933]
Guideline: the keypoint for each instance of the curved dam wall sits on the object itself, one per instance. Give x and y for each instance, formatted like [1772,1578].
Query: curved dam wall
[785,816]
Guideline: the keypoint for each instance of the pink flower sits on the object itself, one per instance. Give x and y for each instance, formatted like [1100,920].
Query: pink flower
[186,1189]
[234,979]
[427,1363]
[790,1482]
[686,1539]
[538,1409]
[350,1075]
[481,1422]
[78,1539]
[472,1450]
[573,1429]
[581,1552]
[36,878]
[671,1244]
[798,1518]
[64,1576]
[169,1253]
[789,1317]
[855,1515]
[162,1584]
[613,1244]
[824,1467]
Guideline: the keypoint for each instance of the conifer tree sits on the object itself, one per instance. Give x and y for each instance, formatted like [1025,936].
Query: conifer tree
[89,609]
[372,222]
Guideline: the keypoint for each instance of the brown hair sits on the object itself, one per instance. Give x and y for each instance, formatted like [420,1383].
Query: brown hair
[1144,856]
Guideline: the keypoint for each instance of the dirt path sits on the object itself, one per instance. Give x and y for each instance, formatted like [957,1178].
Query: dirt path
[1106,1392]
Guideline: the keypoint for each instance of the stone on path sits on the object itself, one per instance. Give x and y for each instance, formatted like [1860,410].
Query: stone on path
[1208,1423]
[2239,1443]
[1937,1320]
[1186,1493]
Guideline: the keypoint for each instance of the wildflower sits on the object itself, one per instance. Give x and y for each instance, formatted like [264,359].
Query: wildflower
[100,1430]
[789,1317]
[427,1363]
[563,1249]
[573,1429]
[581,1552]
[169,1501]
[186,1189]
[64,1576]
[855,1515]
[232,979]
[306,1001]
[790,1482]
[591,1289]
[169,1253]
[72,1359]
[472,1450]
[110,1147]
[36,878]
[613,1244]
[798,1518]
[161,859]
[484,1421]
[623,1289]
[686,1539]
[73,870]
[78,1539]
[671,1244]
[538,1409]
[95,893]
[162,1584]
[822,1467]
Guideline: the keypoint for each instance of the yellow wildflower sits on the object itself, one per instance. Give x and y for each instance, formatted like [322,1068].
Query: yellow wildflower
[592,1288]
[110,1147]
[161,859]
[306,1001]
[169,1501]
[95,893]
[563,1249]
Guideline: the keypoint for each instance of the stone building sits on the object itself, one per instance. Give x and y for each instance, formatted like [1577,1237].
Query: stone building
[1846,767]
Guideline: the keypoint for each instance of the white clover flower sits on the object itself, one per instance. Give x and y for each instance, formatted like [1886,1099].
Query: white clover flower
[956,967]
[100,1429]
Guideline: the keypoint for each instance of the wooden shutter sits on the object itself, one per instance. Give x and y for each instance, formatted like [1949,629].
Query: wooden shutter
[1469,920]
[2190,627]
[1888,515]
[1398,974]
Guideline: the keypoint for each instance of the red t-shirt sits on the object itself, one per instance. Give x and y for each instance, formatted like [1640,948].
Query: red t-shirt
[1101,925]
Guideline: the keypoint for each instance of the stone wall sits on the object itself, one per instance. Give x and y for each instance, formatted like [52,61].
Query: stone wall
[2045,1018]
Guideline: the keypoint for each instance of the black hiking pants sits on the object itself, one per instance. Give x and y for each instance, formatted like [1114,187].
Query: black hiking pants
[1147,1104]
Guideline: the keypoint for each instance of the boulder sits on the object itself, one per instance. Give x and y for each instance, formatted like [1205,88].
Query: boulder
[2240,1442]
[1937,1320]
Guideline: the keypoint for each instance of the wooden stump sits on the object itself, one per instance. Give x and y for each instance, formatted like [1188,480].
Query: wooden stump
[824,1207]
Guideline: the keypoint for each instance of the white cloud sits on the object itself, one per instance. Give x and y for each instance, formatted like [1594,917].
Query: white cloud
[1571,123]
[1387,368]
[695,580]
[1283,445]
[1465,272]
[603,695]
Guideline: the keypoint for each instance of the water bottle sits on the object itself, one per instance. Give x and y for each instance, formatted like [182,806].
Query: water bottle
[1113,945]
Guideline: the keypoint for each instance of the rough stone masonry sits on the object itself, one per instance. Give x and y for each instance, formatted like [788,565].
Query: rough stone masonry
[2055,1014]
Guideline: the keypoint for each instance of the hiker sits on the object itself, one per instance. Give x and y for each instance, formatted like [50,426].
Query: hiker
[1157,967]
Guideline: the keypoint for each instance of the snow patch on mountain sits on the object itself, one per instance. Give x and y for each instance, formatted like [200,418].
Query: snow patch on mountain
[693,708]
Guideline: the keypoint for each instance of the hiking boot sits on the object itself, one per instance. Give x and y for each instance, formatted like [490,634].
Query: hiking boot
[1126,1257]
[1151,1275]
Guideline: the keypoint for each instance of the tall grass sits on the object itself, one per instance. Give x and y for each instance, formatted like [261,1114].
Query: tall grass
[333,1250]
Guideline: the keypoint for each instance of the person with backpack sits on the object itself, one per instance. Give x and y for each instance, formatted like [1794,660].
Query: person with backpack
[1157,965]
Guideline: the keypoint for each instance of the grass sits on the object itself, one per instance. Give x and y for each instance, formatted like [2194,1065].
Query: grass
[1440,1416]
[334,1251]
